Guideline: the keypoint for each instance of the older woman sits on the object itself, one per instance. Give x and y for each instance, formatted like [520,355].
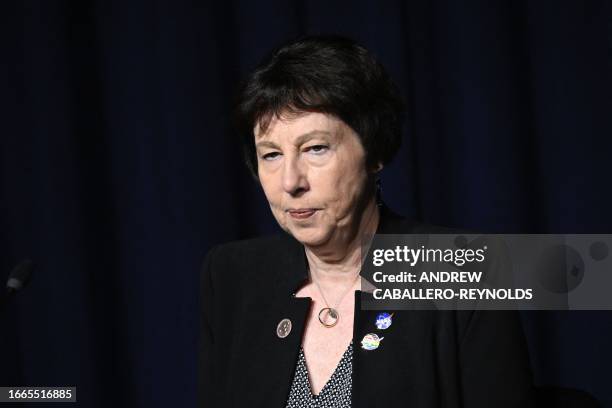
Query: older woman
[281,321]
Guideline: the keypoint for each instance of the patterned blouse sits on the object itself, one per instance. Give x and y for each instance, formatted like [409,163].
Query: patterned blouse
[336,393]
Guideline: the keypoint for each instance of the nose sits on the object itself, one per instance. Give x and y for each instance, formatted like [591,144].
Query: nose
[294,177]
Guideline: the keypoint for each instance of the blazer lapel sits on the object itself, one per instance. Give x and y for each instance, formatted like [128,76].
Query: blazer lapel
[268,359]
[378,373]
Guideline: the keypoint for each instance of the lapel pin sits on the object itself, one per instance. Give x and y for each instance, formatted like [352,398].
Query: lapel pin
[383,321]
[371,341]
[284,328]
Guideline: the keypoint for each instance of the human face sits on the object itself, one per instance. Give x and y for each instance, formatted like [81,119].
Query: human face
[312,168]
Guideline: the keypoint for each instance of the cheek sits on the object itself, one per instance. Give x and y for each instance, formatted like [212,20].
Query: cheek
[269,187]
[344,185]
[273,196]
[352,190]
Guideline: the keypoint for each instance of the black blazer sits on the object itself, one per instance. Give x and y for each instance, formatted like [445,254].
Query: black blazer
[428,359]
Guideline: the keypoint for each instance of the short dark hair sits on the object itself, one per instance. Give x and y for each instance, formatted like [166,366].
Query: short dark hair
[326,74]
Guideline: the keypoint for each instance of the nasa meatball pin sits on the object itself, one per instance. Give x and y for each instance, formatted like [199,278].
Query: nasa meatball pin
[383,321]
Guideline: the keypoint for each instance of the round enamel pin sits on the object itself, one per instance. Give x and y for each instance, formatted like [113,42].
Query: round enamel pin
[284,328]
[371,341]
[383,321]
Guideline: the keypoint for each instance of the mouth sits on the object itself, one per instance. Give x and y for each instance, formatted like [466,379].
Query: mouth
[302,213]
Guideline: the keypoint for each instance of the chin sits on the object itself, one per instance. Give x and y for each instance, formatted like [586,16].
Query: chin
[310,236]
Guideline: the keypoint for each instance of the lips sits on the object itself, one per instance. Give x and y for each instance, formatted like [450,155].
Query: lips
[302,213]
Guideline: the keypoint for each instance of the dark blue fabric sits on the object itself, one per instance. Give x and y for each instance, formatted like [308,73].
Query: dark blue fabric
[118,167]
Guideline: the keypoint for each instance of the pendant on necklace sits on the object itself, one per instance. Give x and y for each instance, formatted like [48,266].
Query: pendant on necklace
[328,316]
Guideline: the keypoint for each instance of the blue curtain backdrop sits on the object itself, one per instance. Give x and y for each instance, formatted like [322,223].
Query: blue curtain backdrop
[119,168]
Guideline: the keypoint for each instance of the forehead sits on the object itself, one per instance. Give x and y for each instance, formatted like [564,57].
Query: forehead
[290,126]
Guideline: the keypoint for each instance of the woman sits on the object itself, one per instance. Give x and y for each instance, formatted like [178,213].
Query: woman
[282,324]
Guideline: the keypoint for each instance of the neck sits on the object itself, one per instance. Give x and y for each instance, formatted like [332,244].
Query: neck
[340,261]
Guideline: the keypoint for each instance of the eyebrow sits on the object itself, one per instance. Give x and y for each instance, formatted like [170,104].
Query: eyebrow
[301,139]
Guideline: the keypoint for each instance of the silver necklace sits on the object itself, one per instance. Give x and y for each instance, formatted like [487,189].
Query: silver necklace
[329,316]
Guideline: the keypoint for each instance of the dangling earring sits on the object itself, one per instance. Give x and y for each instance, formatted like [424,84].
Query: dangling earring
[379,201]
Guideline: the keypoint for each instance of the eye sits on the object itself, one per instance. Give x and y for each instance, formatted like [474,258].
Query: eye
[270,156]
[317,149]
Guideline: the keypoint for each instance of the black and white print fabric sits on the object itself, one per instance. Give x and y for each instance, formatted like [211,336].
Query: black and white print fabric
[335,394]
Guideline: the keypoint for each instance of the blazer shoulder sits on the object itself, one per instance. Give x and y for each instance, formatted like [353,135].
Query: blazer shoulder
[394,223]
[252,248]
[253,259]
[426,228]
